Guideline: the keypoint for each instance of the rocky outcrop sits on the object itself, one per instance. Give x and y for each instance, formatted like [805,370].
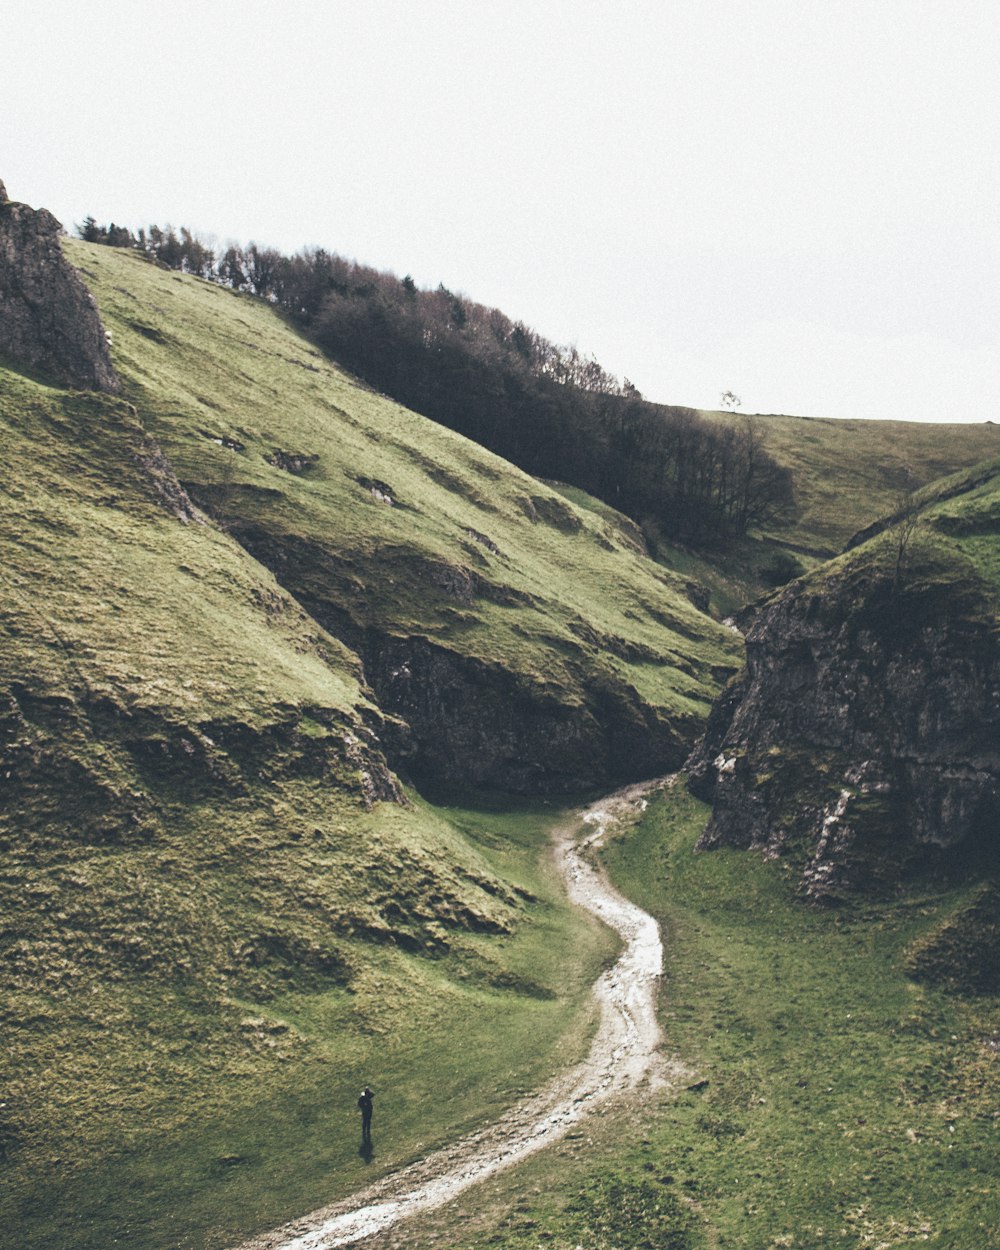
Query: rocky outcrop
[454,717]
[476,722]
[864,733]
[48,319]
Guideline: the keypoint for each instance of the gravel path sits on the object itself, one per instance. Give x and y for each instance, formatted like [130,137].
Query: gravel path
[623,1055]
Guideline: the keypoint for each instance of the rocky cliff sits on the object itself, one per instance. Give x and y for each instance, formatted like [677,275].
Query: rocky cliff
[48,319]
[863,736]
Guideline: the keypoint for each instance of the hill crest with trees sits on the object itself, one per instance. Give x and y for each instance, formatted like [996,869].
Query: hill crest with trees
[551,410]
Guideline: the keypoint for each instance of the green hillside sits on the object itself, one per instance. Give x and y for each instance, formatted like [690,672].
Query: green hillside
[221,911]
[848,473]
[426,553]
[949,540]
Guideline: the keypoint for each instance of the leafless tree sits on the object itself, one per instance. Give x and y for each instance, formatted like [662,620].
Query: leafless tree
[905,519]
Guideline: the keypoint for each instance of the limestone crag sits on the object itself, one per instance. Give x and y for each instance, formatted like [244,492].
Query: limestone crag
[476,722]
[864,732]
[455,718]
[48,318]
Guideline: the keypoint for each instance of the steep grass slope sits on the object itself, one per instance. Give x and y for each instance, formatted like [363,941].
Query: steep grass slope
[527,643]
[221,913]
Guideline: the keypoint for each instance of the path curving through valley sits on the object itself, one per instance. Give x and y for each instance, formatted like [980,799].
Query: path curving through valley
[622,1056]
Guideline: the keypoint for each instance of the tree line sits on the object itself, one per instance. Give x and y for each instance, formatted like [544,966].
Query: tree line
[551,410]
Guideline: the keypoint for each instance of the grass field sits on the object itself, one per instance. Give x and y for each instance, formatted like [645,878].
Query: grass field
[172,1117]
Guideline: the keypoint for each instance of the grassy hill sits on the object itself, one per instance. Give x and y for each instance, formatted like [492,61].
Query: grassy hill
[221,911]
[442,566]
[847,475]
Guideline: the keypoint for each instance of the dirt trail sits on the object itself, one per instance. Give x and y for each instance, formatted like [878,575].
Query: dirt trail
[623,1054]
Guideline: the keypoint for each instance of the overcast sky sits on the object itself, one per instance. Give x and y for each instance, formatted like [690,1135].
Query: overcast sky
[793,199]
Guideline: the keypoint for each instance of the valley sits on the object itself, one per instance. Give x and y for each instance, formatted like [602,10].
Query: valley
[624,1057]
[296,685]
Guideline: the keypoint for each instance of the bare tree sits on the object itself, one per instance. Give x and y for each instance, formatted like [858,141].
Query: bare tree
[905,519]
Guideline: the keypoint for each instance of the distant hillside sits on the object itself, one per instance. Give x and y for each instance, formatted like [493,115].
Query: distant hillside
[849,473]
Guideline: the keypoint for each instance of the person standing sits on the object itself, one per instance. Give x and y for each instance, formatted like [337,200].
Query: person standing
[365,1107]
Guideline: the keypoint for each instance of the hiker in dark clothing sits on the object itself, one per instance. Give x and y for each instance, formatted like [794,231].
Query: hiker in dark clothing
[365,1107]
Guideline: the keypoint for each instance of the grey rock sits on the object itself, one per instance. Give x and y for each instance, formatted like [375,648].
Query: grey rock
[863,734]
[48,319]
[455,718]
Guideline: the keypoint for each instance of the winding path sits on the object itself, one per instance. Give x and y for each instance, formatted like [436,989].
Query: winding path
[623,1054]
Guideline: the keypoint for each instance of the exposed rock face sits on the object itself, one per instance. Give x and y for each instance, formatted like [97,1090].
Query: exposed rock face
[48,318]
[864,731]
[452,717]
[478,723]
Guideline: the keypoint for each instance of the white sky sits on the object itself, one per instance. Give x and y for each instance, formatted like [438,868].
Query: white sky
[794,199]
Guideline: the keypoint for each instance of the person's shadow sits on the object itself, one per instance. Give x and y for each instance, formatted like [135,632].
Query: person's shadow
[366,1150]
